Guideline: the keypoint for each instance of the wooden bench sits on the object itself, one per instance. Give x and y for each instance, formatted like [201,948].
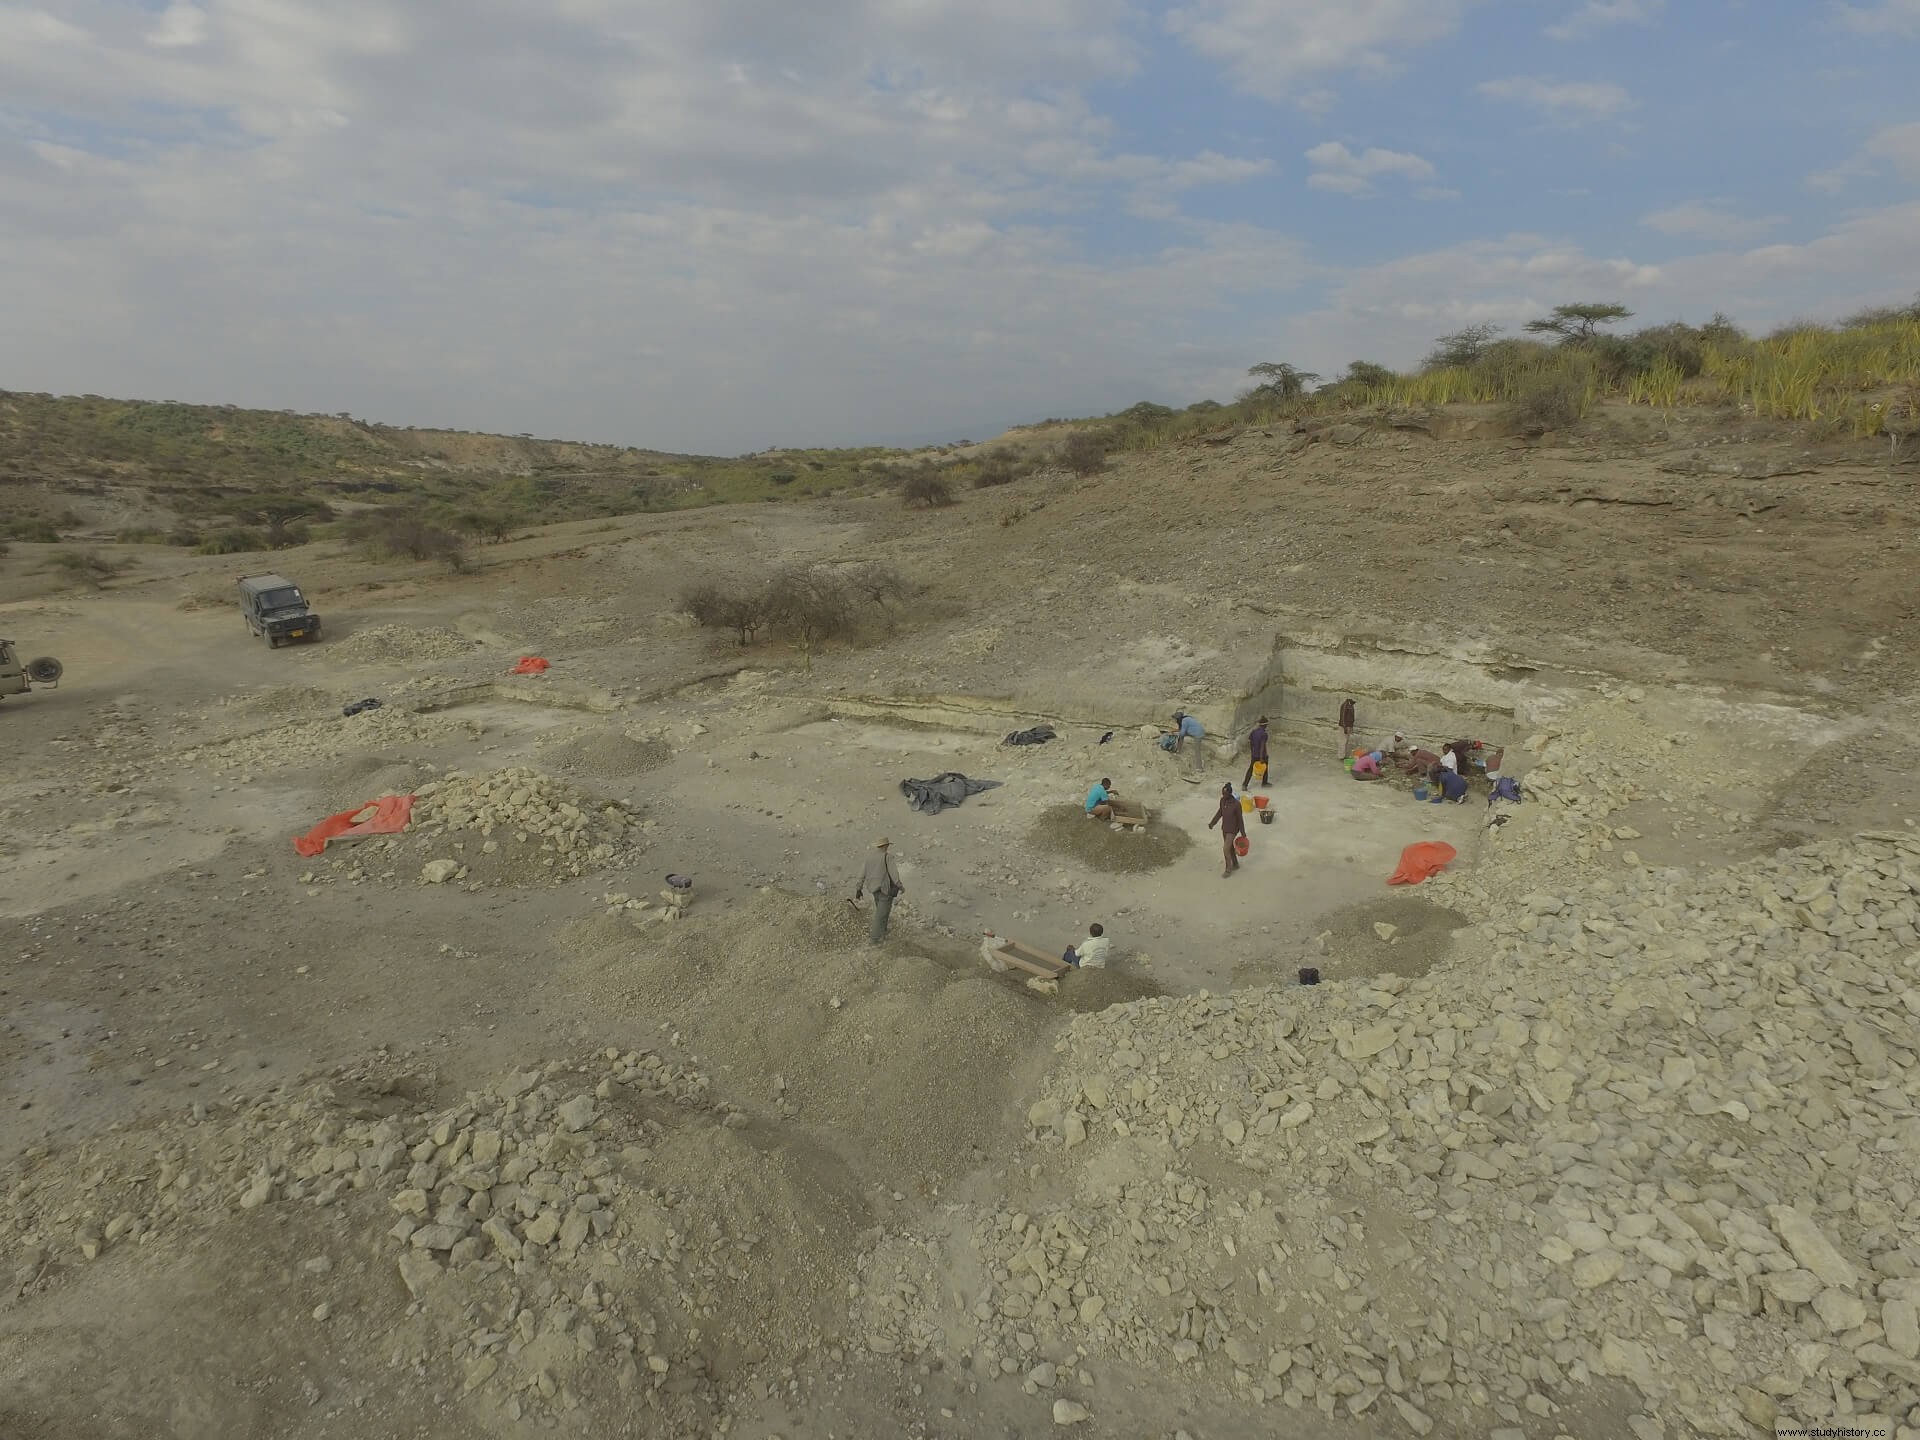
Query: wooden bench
[1034,962]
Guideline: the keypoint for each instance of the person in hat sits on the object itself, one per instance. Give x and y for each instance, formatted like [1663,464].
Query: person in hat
[1232,827]
[1189,731]
[1346,727]
[1257,755]
[883,879]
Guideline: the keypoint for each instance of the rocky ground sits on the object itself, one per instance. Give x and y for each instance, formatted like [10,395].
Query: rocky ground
[483,1129]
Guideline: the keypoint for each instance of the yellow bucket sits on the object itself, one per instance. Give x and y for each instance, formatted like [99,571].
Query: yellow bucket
[1246,804]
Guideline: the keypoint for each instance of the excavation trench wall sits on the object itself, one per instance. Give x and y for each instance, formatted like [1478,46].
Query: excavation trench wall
[1432,696]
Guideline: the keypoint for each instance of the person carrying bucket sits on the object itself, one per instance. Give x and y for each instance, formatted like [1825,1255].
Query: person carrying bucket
[1233,829]
[1257,762]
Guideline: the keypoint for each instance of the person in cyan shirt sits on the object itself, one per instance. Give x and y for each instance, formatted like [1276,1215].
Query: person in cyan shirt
[1100,799]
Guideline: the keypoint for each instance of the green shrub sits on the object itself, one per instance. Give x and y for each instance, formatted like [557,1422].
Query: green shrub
[1551,401]
[233,540]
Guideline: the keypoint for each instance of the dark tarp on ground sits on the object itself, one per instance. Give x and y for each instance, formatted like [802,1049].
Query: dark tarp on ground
[1038,735]
[930,797]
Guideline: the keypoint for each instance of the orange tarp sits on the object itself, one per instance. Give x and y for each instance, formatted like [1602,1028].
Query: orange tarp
[386,816]
[529,665]
[1418,862]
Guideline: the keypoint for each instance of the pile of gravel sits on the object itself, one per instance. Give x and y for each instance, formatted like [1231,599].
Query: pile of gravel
[399,645]
[519,826]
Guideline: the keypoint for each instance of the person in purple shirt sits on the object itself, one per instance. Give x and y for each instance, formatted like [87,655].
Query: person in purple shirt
[1257,755]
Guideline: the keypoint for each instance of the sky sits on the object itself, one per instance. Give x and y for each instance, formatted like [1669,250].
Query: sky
[717,226]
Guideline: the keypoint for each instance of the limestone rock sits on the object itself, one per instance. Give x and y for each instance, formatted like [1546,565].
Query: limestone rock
[1070,1412]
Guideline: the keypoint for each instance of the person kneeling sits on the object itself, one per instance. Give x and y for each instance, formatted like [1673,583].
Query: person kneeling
[1090,953]
[1453,786]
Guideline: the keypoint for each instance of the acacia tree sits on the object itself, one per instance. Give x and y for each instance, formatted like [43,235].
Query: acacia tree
[810,605]
[1579,322]
[1281,381]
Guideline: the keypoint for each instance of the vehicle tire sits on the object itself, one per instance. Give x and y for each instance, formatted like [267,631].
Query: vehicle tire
[45,670]
[272,642]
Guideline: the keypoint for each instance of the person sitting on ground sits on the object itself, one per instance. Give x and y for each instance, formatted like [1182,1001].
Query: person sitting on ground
[1449,759]
[1100,800]
[1397,746]
[1453,786]
[1367,766]
[1090,953]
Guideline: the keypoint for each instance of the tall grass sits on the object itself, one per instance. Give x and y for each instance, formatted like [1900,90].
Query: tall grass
[1854,377]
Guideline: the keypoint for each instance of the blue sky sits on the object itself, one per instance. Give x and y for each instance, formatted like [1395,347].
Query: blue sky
[715,225]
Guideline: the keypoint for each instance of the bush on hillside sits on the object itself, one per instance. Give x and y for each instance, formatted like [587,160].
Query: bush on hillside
[1084,453]
[995,470]
[739,608]
[810,605]
[928,488]
[84,567]
[1552,401]
[231,540]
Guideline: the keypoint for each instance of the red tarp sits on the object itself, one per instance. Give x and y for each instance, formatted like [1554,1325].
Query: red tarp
[529,665]
[386,816]
[1419,862]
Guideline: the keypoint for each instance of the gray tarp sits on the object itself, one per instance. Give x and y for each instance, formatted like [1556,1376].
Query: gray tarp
[930,797]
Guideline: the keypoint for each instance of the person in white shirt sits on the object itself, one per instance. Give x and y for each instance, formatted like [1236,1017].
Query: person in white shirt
[1090,953]
[1449,760]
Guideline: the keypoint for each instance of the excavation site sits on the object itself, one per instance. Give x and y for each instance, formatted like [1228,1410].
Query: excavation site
[474,1019]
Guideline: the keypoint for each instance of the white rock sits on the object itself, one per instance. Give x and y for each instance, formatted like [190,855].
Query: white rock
[438,872]
[1812,1248]
[1070,1412]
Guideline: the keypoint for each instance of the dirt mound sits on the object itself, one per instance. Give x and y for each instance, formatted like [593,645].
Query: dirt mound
[400,645]
[608,753]
[901,1062]
[575,1230]
[1066,830]
[517,826]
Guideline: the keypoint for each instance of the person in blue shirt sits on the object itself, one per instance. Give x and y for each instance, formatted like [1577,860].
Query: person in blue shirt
[1188,730]
[1453,786]
[1100,800]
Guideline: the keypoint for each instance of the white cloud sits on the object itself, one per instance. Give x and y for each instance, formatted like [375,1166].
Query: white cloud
[1212,168]
[696,228]
[1899,147]
[1600,14]
[1896,148]
[180,24]
[1712,220]
[1275,48]
[1580,99]
[1346,172]
[1888,17]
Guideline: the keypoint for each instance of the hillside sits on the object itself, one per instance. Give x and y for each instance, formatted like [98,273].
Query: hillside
[83,467]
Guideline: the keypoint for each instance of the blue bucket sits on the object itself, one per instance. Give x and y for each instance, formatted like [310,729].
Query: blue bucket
[1419,792]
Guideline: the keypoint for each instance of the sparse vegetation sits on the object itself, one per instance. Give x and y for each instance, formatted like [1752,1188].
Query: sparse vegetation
[741,609]
[1084,453]
[1280,381]
[810,604]
[926,487]
[1579,322]
[87,568]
